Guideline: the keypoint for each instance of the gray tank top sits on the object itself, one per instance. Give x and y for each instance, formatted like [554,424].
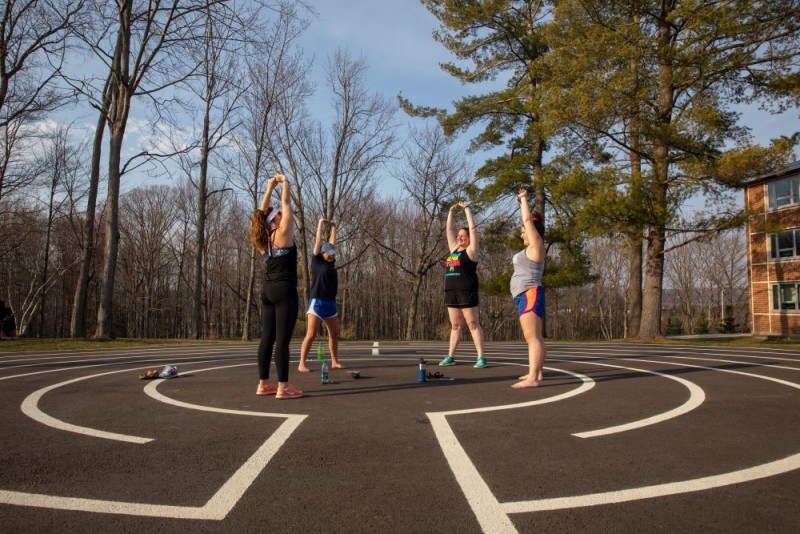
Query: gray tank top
[527,273]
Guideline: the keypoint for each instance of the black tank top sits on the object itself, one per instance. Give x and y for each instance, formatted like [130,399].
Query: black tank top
[281,264]
[461,273]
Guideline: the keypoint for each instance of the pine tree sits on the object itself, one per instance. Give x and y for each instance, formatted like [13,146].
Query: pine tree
[653,82]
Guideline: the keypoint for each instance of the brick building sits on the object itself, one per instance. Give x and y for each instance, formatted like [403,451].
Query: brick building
[773,252]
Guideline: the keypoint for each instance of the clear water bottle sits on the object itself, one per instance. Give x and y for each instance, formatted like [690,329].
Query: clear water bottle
[324,373]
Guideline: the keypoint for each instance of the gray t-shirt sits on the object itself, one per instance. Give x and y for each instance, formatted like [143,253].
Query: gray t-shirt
[527,273]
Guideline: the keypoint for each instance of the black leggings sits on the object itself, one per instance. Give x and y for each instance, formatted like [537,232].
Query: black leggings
[279,302]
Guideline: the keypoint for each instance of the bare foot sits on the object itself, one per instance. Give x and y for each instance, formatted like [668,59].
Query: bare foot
[303,369]
[539,378]
[527,383]
[337,365]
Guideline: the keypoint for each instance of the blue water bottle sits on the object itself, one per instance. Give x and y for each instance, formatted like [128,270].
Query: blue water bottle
[422,370]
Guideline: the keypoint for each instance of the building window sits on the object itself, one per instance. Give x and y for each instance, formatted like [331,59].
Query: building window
[784,192]
[785,244]
[784,296]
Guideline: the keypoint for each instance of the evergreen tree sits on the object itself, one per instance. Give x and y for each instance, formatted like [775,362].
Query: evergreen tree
[653,82]
[702,326]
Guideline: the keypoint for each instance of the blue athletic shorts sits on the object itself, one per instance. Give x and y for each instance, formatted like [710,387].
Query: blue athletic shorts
[322,308]
[531,300]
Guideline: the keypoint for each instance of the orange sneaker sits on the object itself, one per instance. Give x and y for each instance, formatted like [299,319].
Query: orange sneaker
[269,389]
[288,392]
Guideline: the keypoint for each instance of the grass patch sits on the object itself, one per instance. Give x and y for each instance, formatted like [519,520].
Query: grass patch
[26,344]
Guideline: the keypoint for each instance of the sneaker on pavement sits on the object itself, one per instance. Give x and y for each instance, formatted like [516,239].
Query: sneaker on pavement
[269,389]
[448,360]
[288,392]
[480,363]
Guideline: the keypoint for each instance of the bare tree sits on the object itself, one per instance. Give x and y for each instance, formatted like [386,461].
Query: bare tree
[219,89]
[432,176]
[341,160]
[278,86]
[141,44]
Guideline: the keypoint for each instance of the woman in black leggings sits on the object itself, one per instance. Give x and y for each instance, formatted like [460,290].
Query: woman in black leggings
[272,233]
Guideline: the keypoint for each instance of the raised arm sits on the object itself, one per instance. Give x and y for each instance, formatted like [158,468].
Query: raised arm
[284,237]
[474,248]
[318,238]
[535,248]
[267,194]
[451,232]
[332,237]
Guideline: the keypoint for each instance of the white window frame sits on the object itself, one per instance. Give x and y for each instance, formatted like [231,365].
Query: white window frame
[777,199]
[784,245]
[777,297]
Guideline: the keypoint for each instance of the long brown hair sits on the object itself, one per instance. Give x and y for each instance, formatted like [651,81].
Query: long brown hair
[259,229]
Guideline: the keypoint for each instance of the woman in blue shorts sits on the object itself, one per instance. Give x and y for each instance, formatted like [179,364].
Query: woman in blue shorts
[526,287]
[322,297]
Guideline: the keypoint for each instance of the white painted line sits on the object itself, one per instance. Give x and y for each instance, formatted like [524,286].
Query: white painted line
[30,407]
[489,511]
[151,390]
[659,490]
[696,398]
[587,384]
[482,501]
[484,504]
[739,362]
[217,508]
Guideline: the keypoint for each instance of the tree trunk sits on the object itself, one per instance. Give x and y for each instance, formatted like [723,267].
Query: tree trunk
[656,234]
[635,288]
[197,324]
[412,309]
[251,282]
[104,311]
[77,327]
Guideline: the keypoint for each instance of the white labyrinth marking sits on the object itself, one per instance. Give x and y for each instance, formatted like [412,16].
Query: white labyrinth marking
[484,504]
[220,504]
[151,391]
[30,407]
[217,508]
[493,515]
[696,398]
[659,490]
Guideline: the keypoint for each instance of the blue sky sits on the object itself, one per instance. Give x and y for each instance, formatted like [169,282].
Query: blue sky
[394,37]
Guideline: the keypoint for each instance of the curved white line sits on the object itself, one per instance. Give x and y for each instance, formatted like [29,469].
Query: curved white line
[696,397]
[152,391]
[738,362]
[30,407]
[777,467]
[217,507]
[587,384]
[488,509]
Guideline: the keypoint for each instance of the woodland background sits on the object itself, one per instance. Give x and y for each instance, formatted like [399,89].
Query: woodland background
[616,115]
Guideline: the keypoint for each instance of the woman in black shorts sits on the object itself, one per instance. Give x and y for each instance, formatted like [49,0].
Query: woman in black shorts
[272,233]
[461,285]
